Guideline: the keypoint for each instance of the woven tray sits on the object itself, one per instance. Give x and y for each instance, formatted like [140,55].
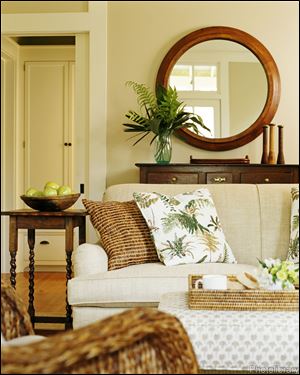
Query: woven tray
[241,299]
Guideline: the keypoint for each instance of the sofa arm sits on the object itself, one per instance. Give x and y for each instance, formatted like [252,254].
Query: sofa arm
[89,259]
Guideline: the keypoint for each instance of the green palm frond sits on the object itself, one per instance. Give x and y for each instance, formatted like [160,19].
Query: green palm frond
[145,97]
[143,136]
[163,112]
[198,120]
[134,116]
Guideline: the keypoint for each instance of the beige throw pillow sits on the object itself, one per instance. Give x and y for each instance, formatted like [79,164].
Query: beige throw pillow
[124,233]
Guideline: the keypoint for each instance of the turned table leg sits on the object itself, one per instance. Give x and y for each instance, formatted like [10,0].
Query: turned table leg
[69,250]
[31,242]
[13,247]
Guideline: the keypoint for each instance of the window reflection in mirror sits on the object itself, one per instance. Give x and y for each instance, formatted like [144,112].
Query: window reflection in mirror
[224,83]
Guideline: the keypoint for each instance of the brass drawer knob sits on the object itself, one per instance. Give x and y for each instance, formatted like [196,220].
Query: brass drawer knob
[267,179]
[174,179]
[219,179]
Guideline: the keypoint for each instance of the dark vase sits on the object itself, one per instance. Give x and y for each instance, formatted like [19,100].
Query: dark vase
[280,157]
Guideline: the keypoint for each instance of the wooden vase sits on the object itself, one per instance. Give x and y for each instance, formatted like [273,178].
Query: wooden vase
[280,157]
[265,154]
[272,156]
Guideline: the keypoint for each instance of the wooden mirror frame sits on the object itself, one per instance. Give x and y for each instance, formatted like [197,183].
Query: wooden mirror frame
[270,68]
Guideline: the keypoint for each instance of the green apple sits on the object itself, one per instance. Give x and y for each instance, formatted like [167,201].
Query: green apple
[31,192]
[49,191]
[52,185]
[64,190]
[38,193]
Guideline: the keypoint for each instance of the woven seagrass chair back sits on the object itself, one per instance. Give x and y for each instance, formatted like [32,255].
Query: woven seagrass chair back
[137,341]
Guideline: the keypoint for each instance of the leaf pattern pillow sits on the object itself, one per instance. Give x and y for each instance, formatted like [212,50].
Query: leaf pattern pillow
[185,228]
[293,252]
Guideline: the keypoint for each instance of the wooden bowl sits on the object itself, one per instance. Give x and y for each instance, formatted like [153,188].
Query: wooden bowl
[53,203]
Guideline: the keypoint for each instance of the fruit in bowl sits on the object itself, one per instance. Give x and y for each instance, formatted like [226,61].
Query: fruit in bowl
[54,197]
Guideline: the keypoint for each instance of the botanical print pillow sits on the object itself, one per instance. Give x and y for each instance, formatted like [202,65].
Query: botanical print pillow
[293,253]
[185,228]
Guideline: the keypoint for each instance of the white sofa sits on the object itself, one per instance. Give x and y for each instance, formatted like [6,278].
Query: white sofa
[256,223]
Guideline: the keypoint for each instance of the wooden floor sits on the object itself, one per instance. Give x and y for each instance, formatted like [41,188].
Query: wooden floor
[49,295]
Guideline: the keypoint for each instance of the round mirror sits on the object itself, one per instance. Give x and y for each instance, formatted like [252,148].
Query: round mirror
[227,77]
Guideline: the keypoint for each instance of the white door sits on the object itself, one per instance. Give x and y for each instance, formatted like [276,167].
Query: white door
[49,108]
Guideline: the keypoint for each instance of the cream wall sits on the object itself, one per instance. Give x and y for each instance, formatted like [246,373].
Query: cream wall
[247,94]
[139,35]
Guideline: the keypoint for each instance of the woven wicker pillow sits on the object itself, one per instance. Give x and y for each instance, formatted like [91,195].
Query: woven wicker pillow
[124,233]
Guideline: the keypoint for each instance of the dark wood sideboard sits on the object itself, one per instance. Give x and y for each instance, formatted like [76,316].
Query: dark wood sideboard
[180,173]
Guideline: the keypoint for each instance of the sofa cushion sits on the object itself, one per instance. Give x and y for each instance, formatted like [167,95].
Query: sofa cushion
[143,283]
[293,253]
[22,340]
[185,227]
[124,233]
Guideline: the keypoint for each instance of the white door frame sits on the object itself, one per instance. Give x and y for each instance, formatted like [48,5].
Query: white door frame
[8,160]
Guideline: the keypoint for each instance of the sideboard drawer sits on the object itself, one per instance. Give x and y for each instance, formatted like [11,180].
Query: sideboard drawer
[266,178]
[218,178]
[172,178]
[220,173]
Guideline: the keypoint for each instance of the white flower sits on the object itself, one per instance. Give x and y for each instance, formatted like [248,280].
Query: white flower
[274,274]
[269,262]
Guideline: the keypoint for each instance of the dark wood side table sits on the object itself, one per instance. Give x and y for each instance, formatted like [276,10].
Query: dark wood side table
[31,220]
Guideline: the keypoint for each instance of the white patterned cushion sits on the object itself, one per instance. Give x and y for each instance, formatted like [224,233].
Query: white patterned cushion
[185,227]
[22,340]
[293,253]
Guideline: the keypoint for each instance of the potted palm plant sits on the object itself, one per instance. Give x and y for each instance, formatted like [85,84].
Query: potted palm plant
[161,114]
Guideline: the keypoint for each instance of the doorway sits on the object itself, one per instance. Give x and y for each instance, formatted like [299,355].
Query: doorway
[37,101]
[49,75]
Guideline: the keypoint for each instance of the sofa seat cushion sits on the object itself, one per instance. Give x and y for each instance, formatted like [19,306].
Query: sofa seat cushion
[141,284]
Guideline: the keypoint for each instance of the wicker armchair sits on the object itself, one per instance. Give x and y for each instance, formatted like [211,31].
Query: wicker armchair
[137,341]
